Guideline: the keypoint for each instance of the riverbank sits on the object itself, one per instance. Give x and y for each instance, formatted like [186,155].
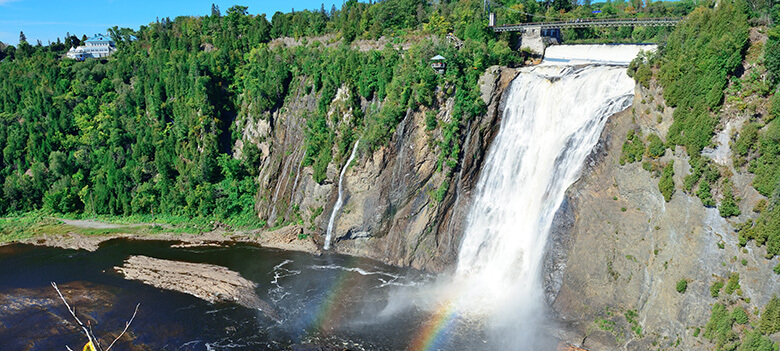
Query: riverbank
[89,234]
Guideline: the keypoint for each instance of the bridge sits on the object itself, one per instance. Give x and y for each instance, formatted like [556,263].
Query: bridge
[538,35]
[589,23]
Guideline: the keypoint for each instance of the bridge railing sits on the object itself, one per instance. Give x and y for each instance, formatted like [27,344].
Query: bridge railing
[591,22]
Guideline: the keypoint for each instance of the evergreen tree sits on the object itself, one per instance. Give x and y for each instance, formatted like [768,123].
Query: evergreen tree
[770,318]
[728,206]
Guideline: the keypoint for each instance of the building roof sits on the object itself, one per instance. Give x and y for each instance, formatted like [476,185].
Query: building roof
[99,37]
[438,58]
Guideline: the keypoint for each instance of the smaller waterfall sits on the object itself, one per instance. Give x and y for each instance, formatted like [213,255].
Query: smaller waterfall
[340,200]
[298,173]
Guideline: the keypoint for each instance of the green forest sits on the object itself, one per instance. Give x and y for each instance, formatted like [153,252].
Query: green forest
[150,130]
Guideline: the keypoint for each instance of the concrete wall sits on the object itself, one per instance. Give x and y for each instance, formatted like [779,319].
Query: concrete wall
[532,40]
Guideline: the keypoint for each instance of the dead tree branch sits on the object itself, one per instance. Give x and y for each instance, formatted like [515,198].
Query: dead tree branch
[73,313]
[127,325]
[88,330]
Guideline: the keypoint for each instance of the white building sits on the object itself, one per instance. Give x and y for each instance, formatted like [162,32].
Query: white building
[98,46]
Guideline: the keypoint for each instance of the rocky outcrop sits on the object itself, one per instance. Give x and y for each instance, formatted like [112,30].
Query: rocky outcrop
[208,282]
[618,249]
[389,211]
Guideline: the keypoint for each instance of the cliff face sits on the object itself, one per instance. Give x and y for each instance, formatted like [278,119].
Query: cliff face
[389,210]
[618,249]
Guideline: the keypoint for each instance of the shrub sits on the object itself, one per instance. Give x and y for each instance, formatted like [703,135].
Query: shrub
[633,148]
[430,121]
[728,206]
[666,184]
[739,315]
[441,191]
[718,328]
[747,140]
[643,75]
[770,318]
[715,288]
[705,194]
[733,283]
[760,206]
[777,269]
[765,230]
[682,286]
[754,341]
[766,165]
[772,54]
[656,147]
[639,68]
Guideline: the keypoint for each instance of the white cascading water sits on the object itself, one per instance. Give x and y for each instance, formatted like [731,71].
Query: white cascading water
[553,118]
[340,200]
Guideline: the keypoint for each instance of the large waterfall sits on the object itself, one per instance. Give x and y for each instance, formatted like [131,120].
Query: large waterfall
[553,118]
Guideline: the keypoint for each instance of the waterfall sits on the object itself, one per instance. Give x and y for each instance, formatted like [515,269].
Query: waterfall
[339,201]
[553,118]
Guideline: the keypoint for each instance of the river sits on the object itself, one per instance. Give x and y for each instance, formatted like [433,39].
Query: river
[329,301]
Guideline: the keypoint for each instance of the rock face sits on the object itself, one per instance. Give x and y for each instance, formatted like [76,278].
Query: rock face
[618,249]
[389,212]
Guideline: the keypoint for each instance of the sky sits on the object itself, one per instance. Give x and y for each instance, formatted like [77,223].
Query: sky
[46,20]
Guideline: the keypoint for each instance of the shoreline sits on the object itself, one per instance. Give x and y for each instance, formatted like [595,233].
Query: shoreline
[75,237]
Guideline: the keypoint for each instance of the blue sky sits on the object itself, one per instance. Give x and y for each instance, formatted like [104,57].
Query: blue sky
[48,19]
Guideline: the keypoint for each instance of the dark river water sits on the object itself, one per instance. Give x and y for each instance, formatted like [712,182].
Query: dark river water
[324,302]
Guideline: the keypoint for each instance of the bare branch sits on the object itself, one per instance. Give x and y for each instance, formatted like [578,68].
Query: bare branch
[127,325]
[86,331]
[96,344]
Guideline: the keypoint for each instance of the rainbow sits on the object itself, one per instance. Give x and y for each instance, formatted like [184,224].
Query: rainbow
[327,317]
[432,334]
[430,337]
